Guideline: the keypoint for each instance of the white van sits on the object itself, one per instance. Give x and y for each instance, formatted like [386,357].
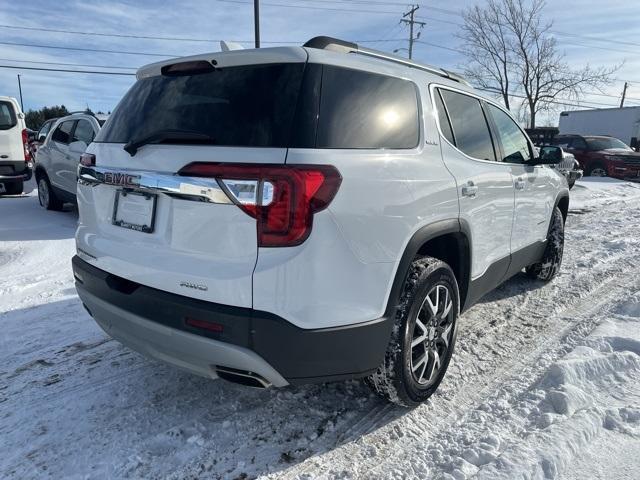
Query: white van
[15,159]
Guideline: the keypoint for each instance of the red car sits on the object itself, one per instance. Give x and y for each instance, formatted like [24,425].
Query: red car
[601,156]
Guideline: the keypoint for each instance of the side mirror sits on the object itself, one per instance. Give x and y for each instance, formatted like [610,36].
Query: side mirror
[42,138]
[549,155]
[77,147]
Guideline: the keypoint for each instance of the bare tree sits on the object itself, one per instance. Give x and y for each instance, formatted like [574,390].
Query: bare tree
[487,42]
[508,43]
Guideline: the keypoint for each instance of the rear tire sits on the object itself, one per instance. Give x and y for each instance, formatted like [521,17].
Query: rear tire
[423,336]
[549,266]
[13,188]
[46,196]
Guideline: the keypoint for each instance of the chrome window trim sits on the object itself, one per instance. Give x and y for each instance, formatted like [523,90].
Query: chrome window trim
[188,188]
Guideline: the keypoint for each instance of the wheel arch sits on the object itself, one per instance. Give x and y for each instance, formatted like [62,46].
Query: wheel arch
[562,202]
[40,172]
[446,240]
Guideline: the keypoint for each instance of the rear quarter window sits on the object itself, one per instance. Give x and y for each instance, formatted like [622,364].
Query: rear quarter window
[7,116]
[363,110]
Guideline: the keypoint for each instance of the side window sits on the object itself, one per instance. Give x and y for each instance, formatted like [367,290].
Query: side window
[562,142]
[366,110]
[83,132]
[443,119]
[579,143]
[62,134]
[469,125]
[515,145]
[44,130]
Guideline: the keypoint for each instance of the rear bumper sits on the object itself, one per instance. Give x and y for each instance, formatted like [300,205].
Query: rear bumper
[15,171]
[153,322]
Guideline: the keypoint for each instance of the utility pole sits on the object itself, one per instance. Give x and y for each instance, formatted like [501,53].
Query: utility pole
[20,88]
[624,94]
[411,22]
[256,21]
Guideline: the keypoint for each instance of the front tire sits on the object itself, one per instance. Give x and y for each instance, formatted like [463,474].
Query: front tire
[549,266]
[423,336]
[46,196]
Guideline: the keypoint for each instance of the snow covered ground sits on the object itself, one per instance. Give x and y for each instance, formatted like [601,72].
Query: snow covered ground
[545,381]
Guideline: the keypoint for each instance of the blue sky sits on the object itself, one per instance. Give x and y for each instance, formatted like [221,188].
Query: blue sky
[613,28]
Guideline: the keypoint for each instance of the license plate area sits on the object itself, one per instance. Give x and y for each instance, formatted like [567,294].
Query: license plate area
[135,210]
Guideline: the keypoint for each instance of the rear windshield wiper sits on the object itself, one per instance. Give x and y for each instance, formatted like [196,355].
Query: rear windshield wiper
[163,135]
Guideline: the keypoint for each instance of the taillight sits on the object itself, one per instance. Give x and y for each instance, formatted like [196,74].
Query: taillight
[25,145]
[282,198]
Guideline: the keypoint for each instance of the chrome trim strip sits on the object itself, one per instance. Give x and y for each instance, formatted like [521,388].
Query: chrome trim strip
[188,188]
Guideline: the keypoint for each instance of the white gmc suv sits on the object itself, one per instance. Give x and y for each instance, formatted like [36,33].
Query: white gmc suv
[308,214]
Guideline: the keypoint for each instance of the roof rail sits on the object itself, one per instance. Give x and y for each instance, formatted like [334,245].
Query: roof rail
[84,112]
[337,45]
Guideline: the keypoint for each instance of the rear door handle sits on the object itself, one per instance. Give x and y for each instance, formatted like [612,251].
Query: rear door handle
[520,184]
[469,190]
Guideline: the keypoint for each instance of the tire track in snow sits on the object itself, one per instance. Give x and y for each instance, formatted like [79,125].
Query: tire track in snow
[457,401]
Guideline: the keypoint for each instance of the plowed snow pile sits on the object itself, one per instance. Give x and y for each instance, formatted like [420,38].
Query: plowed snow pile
[545,381]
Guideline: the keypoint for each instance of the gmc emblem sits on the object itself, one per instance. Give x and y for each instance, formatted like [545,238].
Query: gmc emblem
[122,179]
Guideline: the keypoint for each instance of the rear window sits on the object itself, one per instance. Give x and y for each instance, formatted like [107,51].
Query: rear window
[275,105]
[7,116]
[247,106]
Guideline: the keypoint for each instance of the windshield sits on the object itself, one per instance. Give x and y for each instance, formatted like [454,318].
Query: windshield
[7,116]
[248,106]
[605,143]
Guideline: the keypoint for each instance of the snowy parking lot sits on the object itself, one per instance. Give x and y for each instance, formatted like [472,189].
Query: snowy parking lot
[544,383]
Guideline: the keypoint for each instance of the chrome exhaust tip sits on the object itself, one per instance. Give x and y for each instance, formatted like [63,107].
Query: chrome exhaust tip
[241,377]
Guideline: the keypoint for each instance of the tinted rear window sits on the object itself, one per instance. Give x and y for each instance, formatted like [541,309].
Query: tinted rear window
[7,116]
[248,106]
[366,110]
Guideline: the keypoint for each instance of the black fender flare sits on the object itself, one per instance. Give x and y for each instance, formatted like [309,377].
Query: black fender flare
[560,198]
[419,238]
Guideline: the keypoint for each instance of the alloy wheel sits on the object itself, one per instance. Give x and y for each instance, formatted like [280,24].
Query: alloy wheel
[431,337]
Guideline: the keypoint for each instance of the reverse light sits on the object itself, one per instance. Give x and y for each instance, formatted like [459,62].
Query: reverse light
[282,198]
[25,145]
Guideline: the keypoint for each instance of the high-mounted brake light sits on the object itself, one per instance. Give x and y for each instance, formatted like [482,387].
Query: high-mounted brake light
[282,198]
[25,145]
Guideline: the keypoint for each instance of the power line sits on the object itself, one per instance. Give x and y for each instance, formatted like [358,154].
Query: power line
[313,7]
[66,70]
[89,49]
[67,64]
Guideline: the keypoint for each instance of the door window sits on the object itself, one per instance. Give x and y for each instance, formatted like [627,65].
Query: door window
[515,145]
[62,134]
[83,132]
[469,125]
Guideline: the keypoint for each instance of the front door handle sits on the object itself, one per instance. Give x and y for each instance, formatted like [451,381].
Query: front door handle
[520,184]
[469,190]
